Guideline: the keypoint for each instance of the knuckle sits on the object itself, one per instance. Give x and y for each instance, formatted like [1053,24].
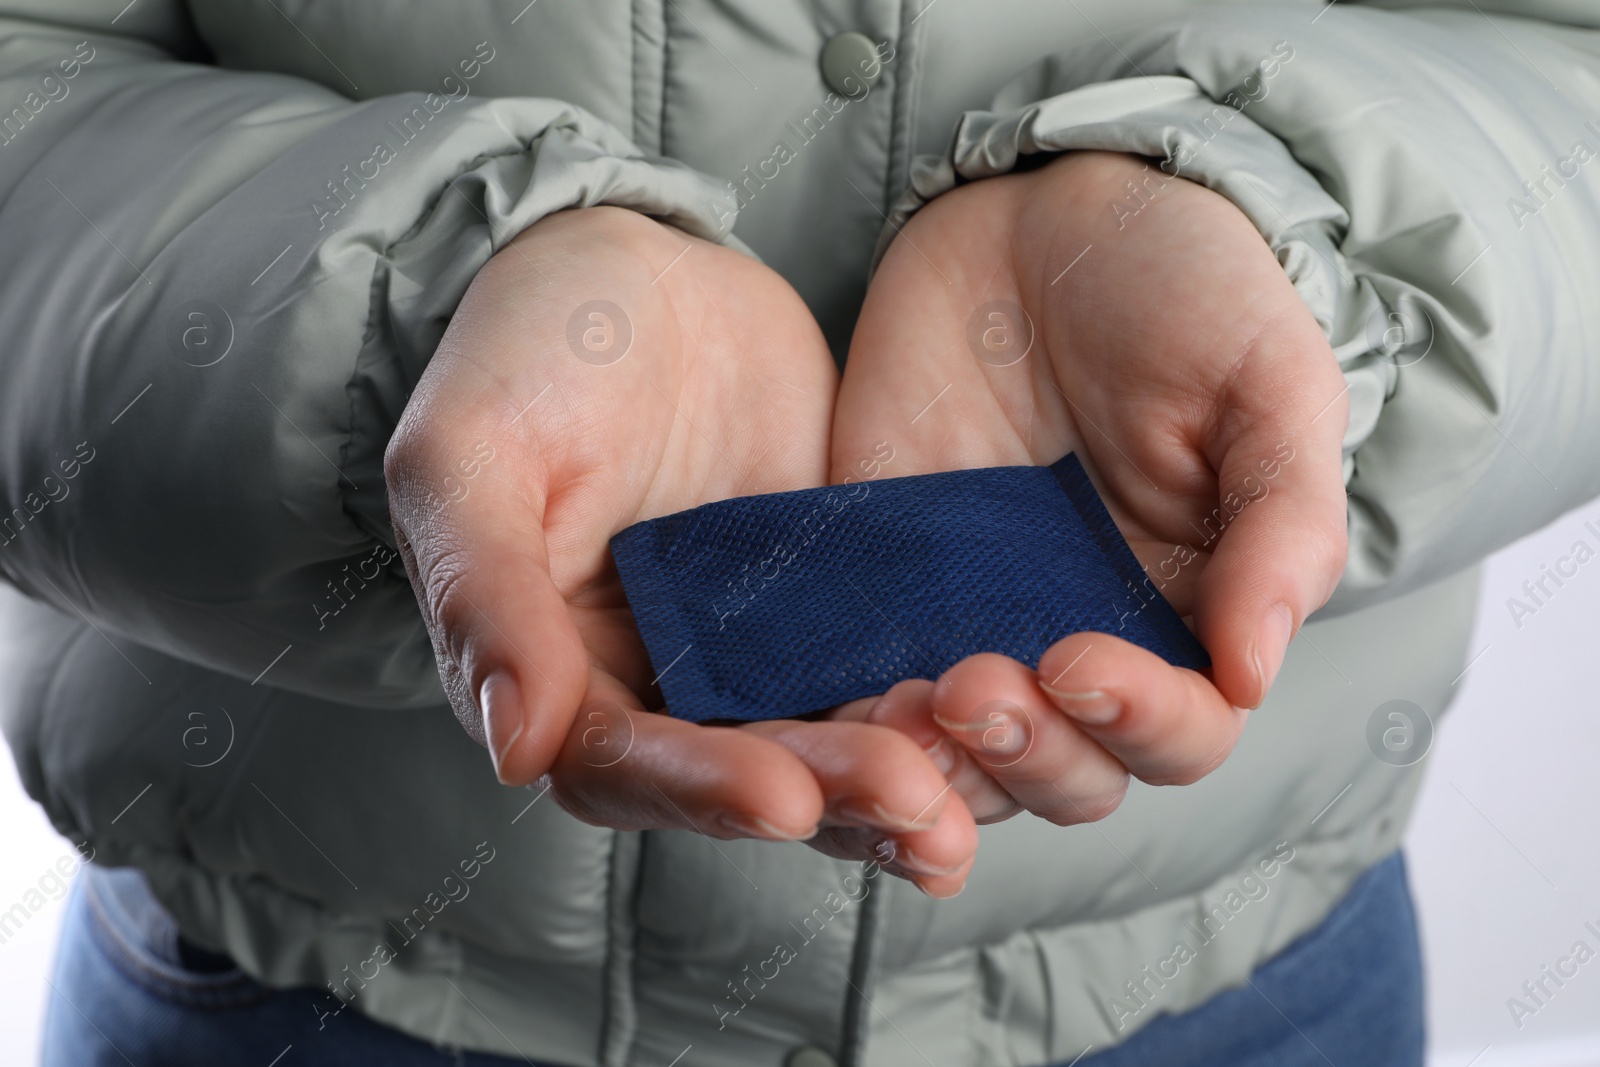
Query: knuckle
[404,457]
[1334,548]
[444,598]
[1329,544]
[419,464]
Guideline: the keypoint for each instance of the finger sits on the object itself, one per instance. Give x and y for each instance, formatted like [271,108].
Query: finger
[1166,725]
[995,708]
[908,709]
[937,861]
[513,664]
[1282,507]
[630,769]
[871,776]
[882,793]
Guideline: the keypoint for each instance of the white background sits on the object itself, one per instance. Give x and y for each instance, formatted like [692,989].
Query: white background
[1502,850]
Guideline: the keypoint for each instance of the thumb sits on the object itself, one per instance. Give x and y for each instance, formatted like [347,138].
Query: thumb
[1280,522]
[512,661]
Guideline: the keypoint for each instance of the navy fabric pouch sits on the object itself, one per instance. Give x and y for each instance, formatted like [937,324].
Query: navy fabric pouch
[776,606]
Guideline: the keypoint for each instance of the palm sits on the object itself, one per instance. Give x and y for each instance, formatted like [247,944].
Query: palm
[614,370]
[1143,360]
[725,390]
[603,369]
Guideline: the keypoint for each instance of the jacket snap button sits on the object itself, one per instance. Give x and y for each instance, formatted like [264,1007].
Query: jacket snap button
[810,1055]
[850,66]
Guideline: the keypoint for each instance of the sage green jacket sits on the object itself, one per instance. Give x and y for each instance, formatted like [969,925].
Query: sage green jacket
[234,231]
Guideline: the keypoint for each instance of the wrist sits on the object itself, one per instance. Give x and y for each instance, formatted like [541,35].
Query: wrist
[622,239]
[1083,198]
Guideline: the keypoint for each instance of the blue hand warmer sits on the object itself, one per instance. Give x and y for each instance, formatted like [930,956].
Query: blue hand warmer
[775,606]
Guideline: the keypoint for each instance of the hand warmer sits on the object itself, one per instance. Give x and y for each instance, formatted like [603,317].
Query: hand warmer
[780,605]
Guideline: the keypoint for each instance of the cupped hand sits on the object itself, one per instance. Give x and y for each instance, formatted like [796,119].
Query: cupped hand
[1099,306]
[603,369]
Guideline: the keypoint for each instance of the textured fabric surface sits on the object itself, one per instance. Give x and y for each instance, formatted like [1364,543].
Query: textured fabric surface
[1051,917]
[779,605]
[200,143]
[1433,346]
[125,991]
[1350,991]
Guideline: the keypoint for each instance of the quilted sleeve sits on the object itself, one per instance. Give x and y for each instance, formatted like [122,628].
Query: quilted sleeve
[218,290]
[1429,182]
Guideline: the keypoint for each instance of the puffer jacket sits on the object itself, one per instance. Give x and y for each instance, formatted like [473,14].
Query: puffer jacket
[234,231]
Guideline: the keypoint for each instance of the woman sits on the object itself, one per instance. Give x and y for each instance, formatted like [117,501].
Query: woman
[341,344]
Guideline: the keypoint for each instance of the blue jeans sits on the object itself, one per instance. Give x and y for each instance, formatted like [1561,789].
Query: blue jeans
[127,989]
[1347,994]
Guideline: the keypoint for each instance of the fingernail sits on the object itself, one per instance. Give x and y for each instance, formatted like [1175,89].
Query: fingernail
[1091,706]
[917,865]
[756,826]
[500,703]
[962,888]
[943,755]
[996,729]
[876,815]
[1272,641]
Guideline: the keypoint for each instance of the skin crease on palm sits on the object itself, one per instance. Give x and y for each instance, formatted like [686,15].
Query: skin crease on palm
[1146,362]
[726,389]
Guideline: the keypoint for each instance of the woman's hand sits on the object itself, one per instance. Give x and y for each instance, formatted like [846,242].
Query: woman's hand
[1022,317]
[604,369]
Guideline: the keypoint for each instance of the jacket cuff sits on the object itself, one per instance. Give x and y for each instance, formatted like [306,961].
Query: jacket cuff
[1447,290]
[216,359]
[1189,135]
[561,157]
